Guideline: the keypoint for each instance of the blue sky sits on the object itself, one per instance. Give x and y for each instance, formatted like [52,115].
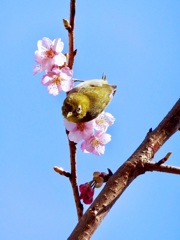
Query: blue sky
[136,44]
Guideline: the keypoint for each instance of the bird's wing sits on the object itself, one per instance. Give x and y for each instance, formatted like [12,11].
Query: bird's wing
[88,83]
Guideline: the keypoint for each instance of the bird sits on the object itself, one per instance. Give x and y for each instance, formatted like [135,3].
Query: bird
[87,100]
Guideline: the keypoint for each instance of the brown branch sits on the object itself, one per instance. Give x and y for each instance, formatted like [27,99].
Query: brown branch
[121,179]
[71,33]
[73,179]
[69,25]
[152,166]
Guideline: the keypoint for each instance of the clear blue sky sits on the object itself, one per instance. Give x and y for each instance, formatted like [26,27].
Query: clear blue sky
[137,45]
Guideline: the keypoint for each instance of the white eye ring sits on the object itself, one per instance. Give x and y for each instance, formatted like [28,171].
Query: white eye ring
[79,109]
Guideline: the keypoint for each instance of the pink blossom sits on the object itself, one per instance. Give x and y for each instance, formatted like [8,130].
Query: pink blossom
[87,193]
[95,144]
[37,69]
[58,80]
[103,121]
[49,53]
[79,131]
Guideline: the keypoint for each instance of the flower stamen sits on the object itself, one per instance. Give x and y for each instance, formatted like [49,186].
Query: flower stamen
[95,142]
[57,80]
[50,53]
[80,127]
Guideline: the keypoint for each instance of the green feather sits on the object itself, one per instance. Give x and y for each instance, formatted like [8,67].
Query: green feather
[86,101]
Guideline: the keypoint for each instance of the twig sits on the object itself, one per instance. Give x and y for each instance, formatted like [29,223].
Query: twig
[72,52]
[163,160]
[152,166]
[61,171]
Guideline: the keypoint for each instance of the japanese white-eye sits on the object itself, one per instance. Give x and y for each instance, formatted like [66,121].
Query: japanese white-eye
[87,100]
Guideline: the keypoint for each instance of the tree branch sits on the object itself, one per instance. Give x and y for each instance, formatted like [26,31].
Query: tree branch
[73,179]
[152,166]
[72,52]
[69,25]
[121,179]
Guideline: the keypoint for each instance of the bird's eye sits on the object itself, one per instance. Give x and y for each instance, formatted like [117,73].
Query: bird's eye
[79,109]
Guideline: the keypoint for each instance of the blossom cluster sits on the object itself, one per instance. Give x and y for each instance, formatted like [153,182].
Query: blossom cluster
[49,56]
[87,189]
[92,134]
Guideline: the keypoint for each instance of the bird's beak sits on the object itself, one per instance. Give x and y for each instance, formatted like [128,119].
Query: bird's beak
[69,114]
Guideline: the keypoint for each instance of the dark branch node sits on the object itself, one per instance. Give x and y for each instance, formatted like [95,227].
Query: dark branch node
[75,52]
[106,177]
[175,119]
[110,172]
[150,130]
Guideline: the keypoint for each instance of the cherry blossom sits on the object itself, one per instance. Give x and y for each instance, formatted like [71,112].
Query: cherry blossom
[37,69]
[93,141]
[49,53]
[103,121]
[58,80]
[79,131]
[95,144]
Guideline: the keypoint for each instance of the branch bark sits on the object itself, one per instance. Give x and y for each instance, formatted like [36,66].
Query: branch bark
[133,167]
